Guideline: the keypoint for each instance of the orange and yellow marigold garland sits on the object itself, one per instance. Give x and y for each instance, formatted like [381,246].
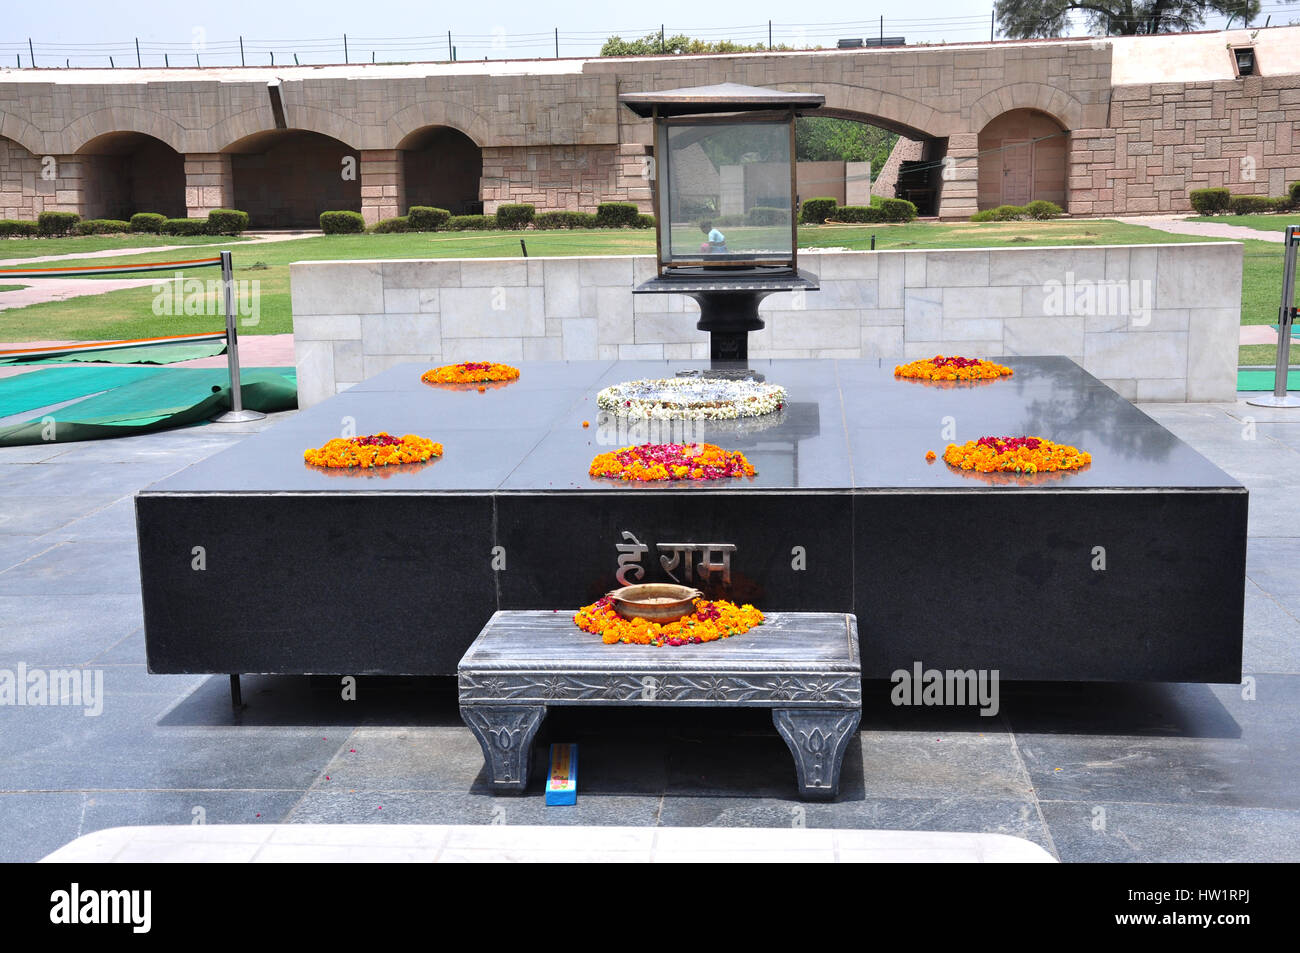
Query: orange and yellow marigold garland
[374,450]
[940,368]
[1018,454]
[470,372]
[711,620]
[671,461]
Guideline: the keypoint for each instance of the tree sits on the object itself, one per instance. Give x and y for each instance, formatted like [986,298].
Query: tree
[650,45]
[823,138]
[1023,19]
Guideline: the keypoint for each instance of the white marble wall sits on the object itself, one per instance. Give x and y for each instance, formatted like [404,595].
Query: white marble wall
[1156,322]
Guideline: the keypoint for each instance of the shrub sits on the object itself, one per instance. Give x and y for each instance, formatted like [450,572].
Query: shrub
[342,223]
[1210,201]
[1251,204]
[226,221]
[1041,210]
[102,226]
[644,221]
[515,216]
[1003,213]
[546,220]
[859,213]
[49,224]
[149,223]
[616,214]
[185,226]
[816,211]
[471,223]
[12,228]
[1293,195]
[425,218]
[388,226]
[897,210]
[767,215]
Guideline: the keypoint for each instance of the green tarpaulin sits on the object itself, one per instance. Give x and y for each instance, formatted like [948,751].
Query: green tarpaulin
[143,354]
[119,401]
[1265,380]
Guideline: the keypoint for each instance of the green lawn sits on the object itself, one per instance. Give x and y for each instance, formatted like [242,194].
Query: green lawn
[39,247]
[1263,223]
[129,313]
[12,287]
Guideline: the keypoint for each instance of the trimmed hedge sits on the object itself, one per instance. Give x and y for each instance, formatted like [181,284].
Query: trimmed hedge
[1257,204]
[616,214]
[1041,210]
[550,220]
[1293,194]
[1003,213]
[226,221]
[342,223]
[897,210]
[426,218]
[50,224]
[102,226]
[149,223]
[185,226]
[856,214]
[816,211]
[645,221]
[13,228]
[515,216]
[1210,201]
[767,215]
[388,226]
[471,223]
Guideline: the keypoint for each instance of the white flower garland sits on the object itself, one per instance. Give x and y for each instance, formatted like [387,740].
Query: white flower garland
[691,398]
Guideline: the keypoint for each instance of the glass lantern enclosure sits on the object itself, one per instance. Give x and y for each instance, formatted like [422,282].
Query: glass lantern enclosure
[726,192]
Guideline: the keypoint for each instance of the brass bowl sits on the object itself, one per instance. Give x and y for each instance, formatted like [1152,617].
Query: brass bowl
[654,602]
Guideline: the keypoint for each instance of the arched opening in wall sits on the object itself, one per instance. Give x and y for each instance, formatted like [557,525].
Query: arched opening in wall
[1023,156]
[840,157]
[442,168]
[128,172]
[285,178]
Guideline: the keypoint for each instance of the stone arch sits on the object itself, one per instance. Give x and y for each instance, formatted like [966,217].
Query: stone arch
[114,119]
[20,131]
[402,124]
[285,178]
[124,172]
[442,167]
[1055,102]
[909,118]
[1023,156]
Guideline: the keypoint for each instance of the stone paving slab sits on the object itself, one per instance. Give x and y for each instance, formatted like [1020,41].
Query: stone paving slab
[353,843]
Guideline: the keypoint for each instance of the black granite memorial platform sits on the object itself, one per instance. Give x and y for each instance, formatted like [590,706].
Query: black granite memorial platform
[340,572]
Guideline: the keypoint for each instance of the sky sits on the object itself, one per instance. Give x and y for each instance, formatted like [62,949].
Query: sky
[83,33]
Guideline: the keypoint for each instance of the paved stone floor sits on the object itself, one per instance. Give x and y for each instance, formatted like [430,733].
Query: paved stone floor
[1090,772]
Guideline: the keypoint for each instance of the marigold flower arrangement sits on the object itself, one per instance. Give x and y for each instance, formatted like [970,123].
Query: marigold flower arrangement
[1015,454]
[671,461]
[940,368]
[374,450]
[470,372]
[711,620]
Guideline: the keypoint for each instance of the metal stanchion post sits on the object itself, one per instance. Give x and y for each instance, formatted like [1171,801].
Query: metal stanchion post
[1286,318]
[236,412]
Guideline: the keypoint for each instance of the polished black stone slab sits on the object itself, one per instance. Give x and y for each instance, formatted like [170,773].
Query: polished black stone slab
[844,515]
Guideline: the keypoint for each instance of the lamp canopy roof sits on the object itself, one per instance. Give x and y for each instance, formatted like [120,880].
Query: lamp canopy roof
[722,98]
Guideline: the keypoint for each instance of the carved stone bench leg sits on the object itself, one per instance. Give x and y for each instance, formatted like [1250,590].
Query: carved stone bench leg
[505,733]
[818,738]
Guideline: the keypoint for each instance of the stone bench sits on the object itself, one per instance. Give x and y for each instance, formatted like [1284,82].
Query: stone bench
[802,665]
